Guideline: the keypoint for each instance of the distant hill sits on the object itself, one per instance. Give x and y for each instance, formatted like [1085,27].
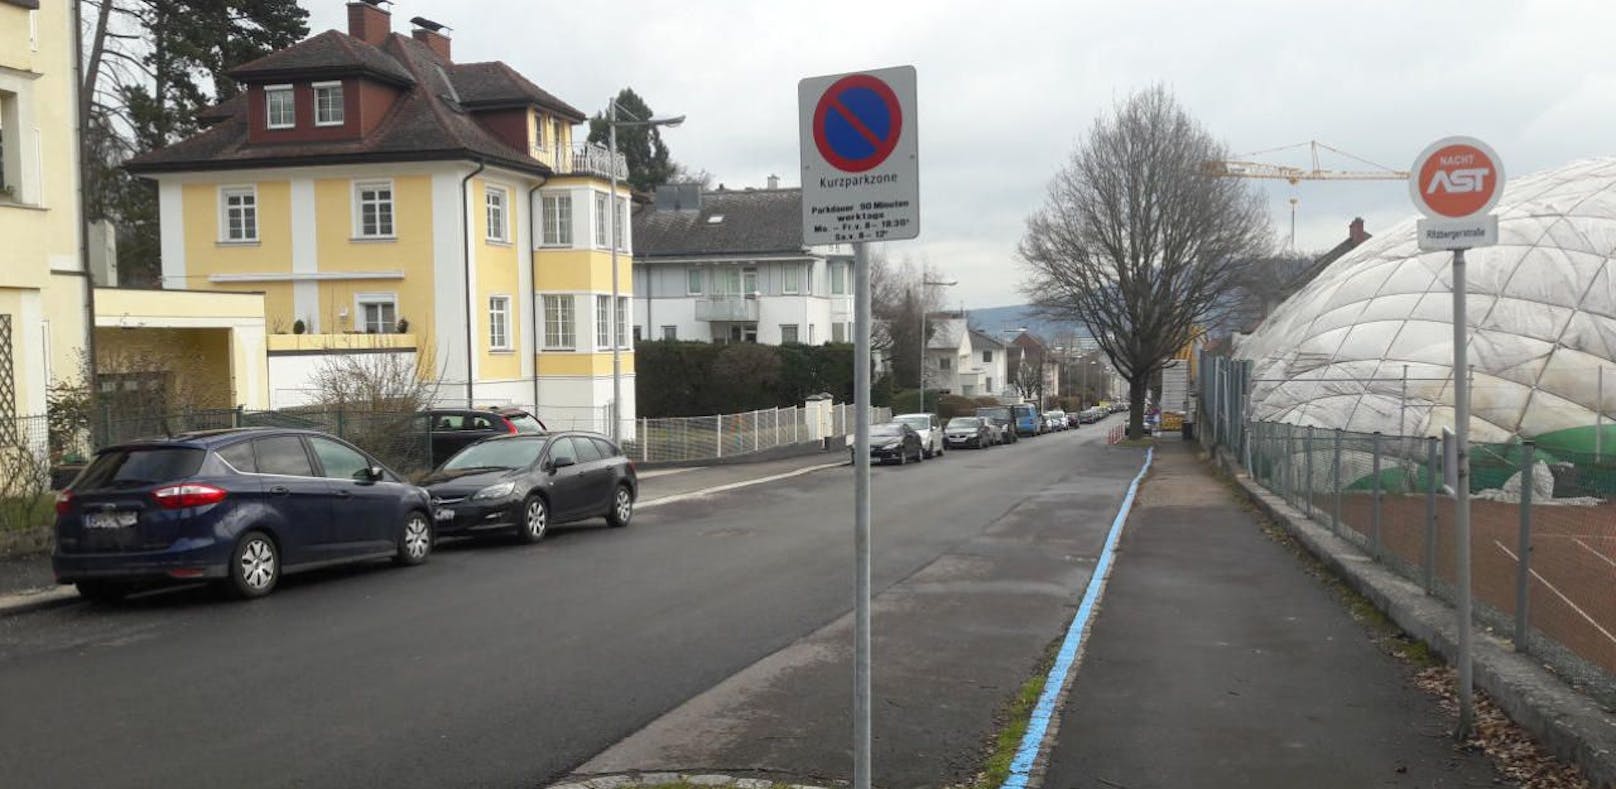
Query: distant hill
[996,320]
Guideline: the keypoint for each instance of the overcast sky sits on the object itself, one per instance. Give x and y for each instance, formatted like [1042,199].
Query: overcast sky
[1007,88]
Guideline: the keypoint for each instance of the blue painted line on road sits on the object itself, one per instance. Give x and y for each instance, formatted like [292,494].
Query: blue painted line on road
[1038,725]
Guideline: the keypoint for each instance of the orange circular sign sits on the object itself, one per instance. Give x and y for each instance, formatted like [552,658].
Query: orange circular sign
[1456,177]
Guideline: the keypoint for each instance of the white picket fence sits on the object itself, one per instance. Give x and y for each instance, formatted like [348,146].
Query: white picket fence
[728,435]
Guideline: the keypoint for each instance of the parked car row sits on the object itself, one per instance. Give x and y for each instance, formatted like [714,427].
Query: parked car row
[244,506]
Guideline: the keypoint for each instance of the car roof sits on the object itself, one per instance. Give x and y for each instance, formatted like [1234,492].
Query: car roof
[208,439]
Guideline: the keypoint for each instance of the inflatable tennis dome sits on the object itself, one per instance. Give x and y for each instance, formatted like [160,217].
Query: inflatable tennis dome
[1376,325]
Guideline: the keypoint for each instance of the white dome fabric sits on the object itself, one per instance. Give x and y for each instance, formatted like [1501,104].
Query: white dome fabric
[1541,308]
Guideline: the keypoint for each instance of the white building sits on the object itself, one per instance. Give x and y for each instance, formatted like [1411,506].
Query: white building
[730,266]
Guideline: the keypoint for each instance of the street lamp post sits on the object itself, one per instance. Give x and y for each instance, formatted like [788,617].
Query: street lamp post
[613,232]
[921,374]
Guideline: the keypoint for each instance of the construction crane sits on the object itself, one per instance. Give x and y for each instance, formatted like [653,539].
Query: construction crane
[1244,167]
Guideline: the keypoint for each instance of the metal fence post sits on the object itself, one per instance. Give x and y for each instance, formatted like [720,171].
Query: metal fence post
[757,439]
[718,438]
[1432,480]
[1335,487]
[645,441]
[1523,550]
[1307,451]
[1374,500]
[1288,471]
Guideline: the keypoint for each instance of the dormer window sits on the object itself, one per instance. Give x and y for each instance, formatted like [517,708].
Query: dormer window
[279,112]
[328,108]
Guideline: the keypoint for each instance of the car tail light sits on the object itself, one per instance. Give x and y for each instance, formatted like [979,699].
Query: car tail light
[173,497]
[64,502]
[186,572]
[510,427]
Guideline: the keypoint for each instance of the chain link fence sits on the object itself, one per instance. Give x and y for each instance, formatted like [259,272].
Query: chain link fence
[1543,522]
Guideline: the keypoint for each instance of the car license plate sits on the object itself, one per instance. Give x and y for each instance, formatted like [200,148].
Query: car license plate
[109,520]
[444,514]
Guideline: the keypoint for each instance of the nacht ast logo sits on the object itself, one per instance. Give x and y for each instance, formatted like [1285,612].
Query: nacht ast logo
[1458,180]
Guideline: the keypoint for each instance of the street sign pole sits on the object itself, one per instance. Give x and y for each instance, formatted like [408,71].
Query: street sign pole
[861,516]
[1461,493]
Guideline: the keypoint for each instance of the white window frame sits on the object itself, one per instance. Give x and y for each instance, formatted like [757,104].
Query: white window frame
[556,230]
[603,321]
[838,279]
[791,279]
[369,298]
[502,233]
[340,109]
[621,228]
[225,193]
[694,275]
[359,186]
[499,322]
[796,330]
[270,91]
[623,339]
[811,334]
[568,328]
[838,332]
[601,201]
[670,332]
[749,281]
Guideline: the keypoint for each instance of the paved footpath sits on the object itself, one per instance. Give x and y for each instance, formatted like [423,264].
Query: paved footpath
[1217,661]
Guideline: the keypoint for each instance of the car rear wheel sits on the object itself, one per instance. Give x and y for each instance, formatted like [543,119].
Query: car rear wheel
[622,507]
[102,591]
[414,540]
[535,520]
[255,566]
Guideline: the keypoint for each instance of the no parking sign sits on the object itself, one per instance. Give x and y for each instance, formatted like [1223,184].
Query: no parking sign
[860,168]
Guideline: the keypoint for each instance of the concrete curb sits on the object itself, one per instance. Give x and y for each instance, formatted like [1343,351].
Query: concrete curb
[36,601]
[626,780]
[1570,725]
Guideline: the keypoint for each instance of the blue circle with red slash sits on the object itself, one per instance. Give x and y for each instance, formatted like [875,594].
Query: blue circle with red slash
[857,123]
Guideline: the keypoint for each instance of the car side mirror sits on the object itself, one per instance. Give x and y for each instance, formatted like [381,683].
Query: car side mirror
[561,463]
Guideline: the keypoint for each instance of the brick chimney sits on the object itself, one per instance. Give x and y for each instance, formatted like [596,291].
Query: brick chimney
[431,34]
[1355,232]
[369,22]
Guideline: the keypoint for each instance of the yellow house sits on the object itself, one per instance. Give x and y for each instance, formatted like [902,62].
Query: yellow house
[367,183]
[43,287]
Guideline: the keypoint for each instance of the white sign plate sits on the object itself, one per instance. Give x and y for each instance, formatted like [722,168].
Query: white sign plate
[1467,233]
[860,161]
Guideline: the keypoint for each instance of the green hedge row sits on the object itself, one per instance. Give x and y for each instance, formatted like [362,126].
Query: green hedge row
[679,378]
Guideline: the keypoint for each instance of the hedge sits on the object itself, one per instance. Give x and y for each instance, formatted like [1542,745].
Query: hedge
[683,378]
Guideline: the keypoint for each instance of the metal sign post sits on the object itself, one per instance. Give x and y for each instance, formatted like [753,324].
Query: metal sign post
[860,183]
[1455,182]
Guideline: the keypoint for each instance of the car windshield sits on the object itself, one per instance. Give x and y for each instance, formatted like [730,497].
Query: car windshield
[916,422]
[964,422]
[888,429]
[497,454]
[525,423]
[136,466]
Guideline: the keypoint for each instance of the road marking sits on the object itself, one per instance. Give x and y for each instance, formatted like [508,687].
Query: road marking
[1591,550]
[1032,743]
[1559,594]
[696,494]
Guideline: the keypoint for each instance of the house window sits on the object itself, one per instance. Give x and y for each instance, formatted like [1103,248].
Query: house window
[749,282]
[278,108]
[788,333]
[240,213]
[838,279]
[622,320]
[638,334]
[810,334]
[494,204]
[378,312]
[558,331]
[622,223]
[603,321]
[988,385]
[987,357]
[670,332]
[838,332]
[792,279]
[727,282]
[693,281]
[499,323]
[375,201]
[328,109]
[600,218]
[557,220]
[944,363]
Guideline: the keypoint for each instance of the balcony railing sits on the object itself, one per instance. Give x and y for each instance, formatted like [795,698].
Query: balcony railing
[727,308]
[584,158]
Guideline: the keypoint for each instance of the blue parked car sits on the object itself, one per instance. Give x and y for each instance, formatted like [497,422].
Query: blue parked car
[240,506]
[1028,422]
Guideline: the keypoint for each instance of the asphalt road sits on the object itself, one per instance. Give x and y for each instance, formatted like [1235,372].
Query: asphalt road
[492,665]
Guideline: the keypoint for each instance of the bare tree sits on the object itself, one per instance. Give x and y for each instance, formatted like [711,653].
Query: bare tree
[898,296]
[1137,242]
[377,382]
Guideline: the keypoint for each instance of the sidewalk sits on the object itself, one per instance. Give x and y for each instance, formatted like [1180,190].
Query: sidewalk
[1216,661]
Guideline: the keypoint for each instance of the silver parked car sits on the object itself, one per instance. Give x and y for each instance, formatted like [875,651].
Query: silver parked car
[930,430]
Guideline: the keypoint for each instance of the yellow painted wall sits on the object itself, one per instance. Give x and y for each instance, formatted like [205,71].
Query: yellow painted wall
[497,275]
[586,270]
[199,360]
[338,342]
[206,255]
[409,251]
[141,305]
[582,364]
